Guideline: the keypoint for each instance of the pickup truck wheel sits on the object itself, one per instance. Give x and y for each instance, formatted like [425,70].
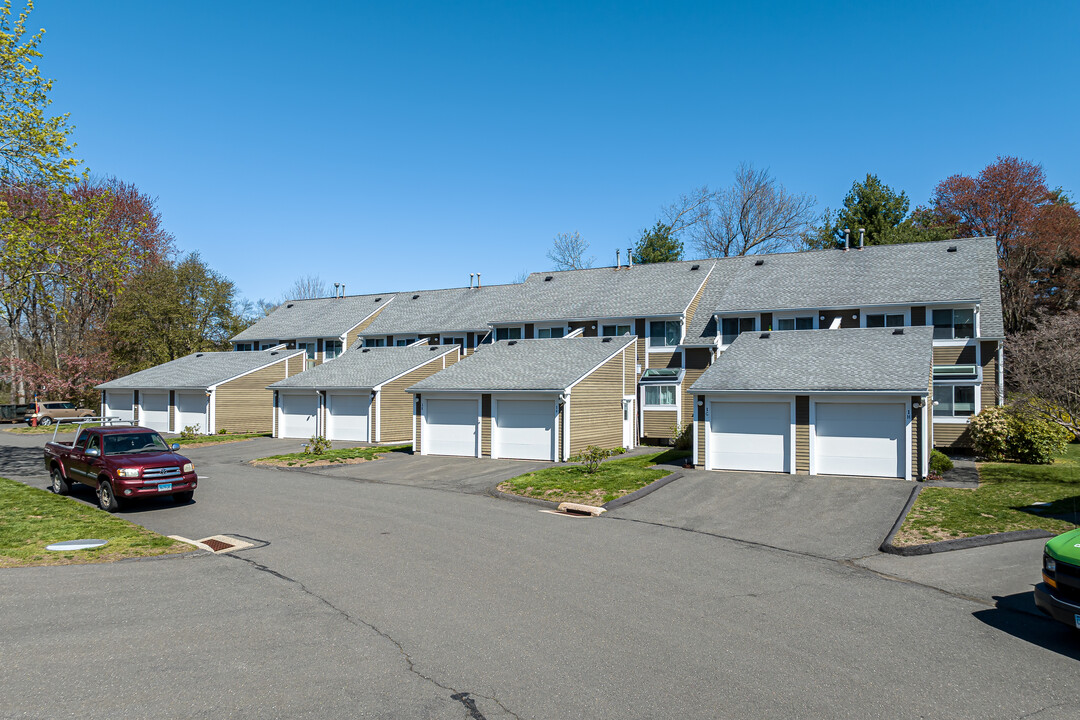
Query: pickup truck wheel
[45,420]
[182,498]
[60,485]
[106,500]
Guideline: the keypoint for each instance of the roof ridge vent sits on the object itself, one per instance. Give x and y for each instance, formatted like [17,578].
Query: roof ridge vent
[765,336]
[759,262]
[951,248]
[694,267]
[511,342]
[364,350]
[898,331]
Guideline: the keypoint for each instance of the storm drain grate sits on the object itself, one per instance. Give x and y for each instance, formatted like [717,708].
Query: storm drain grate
[217,545]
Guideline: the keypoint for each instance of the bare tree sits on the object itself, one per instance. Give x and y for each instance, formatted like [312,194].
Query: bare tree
[1043,369]
[307,287]
[756,214]
[568,252]
[521,277]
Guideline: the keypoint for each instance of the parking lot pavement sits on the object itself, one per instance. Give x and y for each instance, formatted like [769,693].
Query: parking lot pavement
[827,516]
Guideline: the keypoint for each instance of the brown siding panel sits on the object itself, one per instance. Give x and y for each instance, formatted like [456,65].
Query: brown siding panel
[656,424]
[485,425]
[766,321]
[172,412]
[802,434]
[244,404]
[989,374]
[529,331]
[417,423]
[691,310]
[596,407]
[396,405]
[639,330]
[849,318]
[954,355]
[918,316]
[700,461]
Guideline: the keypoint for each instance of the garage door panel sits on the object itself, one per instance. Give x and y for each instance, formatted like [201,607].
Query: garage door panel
[526,429]
[348,417]
[860,439]
[154,410]
[752,436]
[298,415]
[450,427]
[191,411]
[121,404]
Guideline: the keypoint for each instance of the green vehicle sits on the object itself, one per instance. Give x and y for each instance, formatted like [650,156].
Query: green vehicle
[1058,595]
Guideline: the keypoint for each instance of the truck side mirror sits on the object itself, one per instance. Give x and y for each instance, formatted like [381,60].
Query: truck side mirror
[175,446]
[93,452]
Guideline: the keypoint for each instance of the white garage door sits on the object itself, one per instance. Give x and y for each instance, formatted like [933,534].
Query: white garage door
[154,410]
[347,416]
[120,403]
[860,439]
[526,429]
[298,415]
[750,436]
[450,428]
[191,411]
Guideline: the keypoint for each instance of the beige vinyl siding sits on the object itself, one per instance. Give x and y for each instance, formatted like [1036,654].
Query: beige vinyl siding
[596,407]
[485,425]
[665,360]
[701,427]
[951,435]
[916,446]
[656,424]
[295,366]
[802,434]
[244,404]
[353,335]
[639,330]
[691,309]
[989,374]
[630,356]
[397,405]
[697,361]
[954,355]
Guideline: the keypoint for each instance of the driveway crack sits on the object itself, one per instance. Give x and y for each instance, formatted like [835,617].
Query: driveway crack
[463,697]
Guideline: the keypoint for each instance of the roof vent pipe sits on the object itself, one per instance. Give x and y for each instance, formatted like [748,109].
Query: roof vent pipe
[629,259]
[470,280]
[618,262]
[477,281]
[862,234]
[847,239]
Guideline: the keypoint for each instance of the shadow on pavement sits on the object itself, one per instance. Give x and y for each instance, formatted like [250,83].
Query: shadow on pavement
[1018,616]
[21,461]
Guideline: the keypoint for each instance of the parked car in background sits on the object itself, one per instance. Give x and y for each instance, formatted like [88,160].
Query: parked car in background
[1058,595]
[15,413]
[45,412]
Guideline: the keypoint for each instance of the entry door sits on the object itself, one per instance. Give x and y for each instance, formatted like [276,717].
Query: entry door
[628,423]
[750,436]
[526,429]
[191,411]
[450,428]
[347,416]
[298,415]
[860,439]
[155,410]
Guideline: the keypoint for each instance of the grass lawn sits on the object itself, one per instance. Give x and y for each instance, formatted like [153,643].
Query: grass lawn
[614,479]
[21,429]
[331,457]
[31,518]
[212,439]
[1002,502]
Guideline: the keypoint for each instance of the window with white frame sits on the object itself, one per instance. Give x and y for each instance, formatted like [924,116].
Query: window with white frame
[402,342]
[614,330]
[801,322]
[954,324]
[880,320]
[508,333]
[374,342]
[459,341]
[550,332]
[308,347]
[331,349]
[660,396]
[664,333]
[267,344]
[243,347]
[954,401]
[730,328]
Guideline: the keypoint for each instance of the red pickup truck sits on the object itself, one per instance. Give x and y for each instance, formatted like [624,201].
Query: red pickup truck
[122,463]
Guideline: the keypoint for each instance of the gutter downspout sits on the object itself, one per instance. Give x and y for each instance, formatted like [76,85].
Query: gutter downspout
[564,399]
[1000,373]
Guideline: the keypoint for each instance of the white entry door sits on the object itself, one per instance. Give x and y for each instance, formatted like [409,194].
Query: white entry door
[449,428]
[120,403]
[347,416]
[191,411]
[525,429]
[298,415]
[154,410]
[860,439]
[750,436]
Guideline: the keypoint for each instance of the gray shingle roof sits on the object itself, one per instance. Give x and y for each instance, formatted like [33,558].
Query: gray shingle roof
[443,311]
[702,328]
[641,291]
[525,365]
[365,368]
[198,370]
[871,359]
[317,318]
[915,273]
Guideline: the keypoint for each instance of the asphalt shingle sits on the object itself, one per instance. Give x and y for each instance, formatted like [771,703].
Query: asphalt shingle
[424,312]
[365,368]
[870,359]
[525,365]
[198,370]
[316,318]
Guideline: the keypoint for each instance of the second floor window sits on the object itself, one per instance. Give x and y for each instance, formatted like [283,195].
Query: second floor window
[549,332]
[954,324]
[331,348]
[511,333]
[880,320]
[664,334]
[402,342]
[308,348]
[731,327]
[243,347]
[375,342]
[614,330]
[795,323]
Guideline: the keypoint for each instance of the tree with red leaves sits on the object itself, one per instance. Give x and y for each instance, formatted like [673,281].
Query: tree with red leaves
[1037,230]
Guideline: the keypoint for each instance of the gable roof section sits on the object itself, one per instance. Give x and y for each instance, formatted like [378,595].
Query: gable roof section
[199,370]
[857,359]
[907,274]
[525,365]
[650,290]
[701,330]
[316,318]
[365,368]
[443,311]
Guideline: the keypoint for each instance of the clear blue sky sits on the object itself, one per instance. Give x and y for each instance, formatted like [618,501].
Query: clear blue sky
[401,145]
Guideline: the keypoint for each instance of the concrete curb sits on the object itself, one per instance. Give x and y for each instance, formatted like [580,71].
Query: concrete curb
[950,545]
[642,492]
[500,495]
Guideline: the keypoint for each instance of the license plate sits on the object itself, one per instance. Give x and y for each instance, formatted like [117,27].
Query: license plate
[162,487]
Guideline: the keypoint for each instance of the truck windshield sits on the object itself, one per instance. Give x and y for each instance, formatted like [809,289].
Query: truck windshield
[127,443]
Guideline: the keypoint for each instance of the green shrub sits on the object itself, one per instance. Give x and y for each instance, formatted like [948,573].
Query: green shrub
[681,437]
[940,463]
[592,457]
[317,445]
[190,432]
[1036,441]
[989,432]
[222,431]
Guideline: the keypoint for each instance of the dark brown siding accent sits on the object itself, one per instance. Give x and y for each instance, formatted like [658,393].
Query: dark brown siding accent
[802,434]
[397,405]
[596,407]
[918,316]
[417,423]
[354,334]
[244,404]
[698,358]
[989,374]
[916,446]
[849,318]
[318,347]
[431,339]
[529,329]
[389,341]
[701,429]
[135,405]
[954,355]
[485,425]
[172,412]
[766,321]
[639,330]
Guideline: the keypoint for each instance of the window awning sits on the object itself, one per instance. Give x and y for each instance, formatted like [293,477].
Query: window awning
[662,375]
